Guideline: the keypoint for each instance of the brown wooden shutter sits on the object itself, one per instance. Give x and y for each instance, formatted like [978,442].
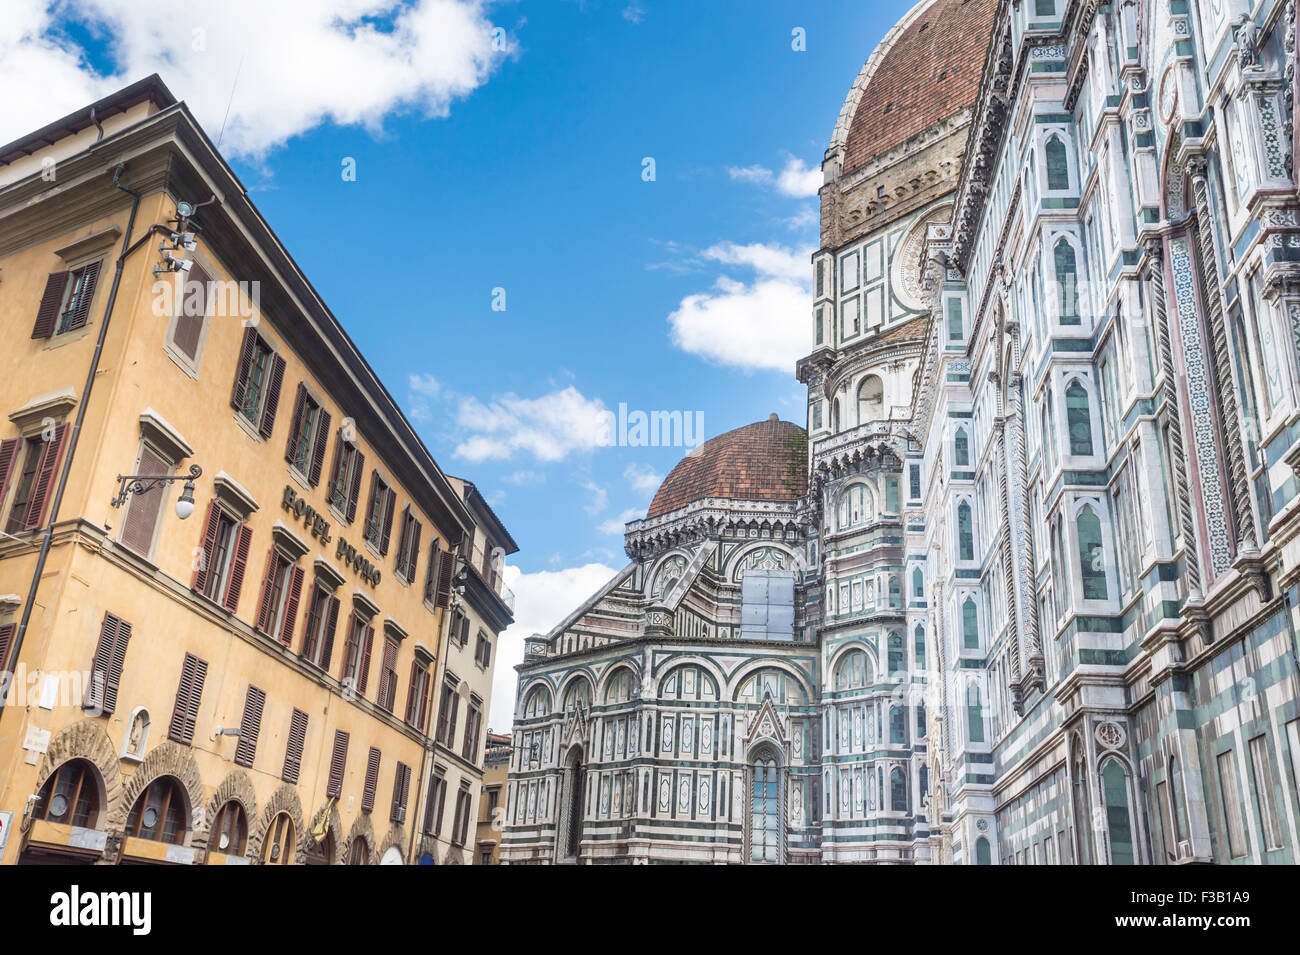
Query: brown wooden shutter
[237,567]
[365,661]
[81,314]
[401,540]
[250,724]
[294,745]
[334,472]
[318,447]
[410,694]
[6,638]
[401,785]
[51,302]
[426,698]
[189,693]
[144,509]
[331,622]
[296,575]
[273,384]
[264,606]
[445,569]
[387,674]
[372,780]
[338,764]
[354,483]
[430,581]
[8,455]
[390,499]
[413,551]
[189,320]
[107,665]
[295,423]
[207,546]
[44,478]
[353,636]
[244,370]
[371,517]
[464,630]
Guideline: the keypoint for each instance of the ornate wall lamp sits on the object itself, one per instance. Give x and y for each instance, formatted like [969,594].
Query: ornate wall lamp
[128,484]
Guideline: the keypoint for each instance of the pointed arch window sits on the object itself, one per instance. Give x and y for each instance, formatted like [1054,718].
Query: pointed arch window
[1092,558]
[896,663]
[1058,166]
[765,810]
[853,671]
[897,725]
[961,449]
[897,790]
[920,647]
[1067,279]
[1078,418]
[954,320]
[918,583]
[970,624]
[983,855]
[1082,805]
[965,533]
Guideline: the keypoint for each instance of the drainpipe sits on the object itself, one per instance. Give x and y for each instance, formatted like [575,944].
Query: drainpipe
[48,536]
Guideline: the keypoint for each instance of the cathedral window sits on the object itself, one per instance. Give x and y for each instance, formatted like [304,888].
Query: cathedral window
[891,495]
[918,583]
[897,790]
[983,855]
[961,449]
[1066,282]
[897,725]
[855,506]
[954,320]
[1078,418]
[896,663]
[970,626]
[537,703]
[920,647]
[765,810]
[871,400]
[853,671]
[1082,804]
[1092,560]
[619,688]
[965,532]
[974,714]
[914,473]
[1231,804]
[577,695]
[1120,829]
[1058,166]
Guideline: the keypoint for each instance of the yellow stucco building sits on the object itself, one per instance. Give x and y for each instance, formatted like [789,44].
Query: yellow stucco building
[256,681]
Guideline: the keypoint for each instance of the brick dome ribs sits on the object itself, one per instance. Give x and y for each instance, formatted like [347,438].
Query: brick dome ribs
[764,461]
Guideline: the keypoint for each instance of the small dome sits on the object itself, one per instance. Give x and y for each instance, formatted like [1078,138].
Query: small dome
[764,461]
[925,70]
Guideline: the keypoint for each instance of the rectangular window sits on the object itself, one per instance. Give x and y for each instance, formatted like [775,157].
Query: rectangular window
[294,745]
[418,696]
[460,829]
[379,513]
[1230,802]
[308,435]
[144,508]
[189,692]
[249,726]
[1261,764]
[914,481]
[345,479]
[338,764]
[106,668]
[322,620]
[447,716]
[483,652]
[223,558]
[356,654]
[1168,838]
[473,719]
[372,780]
[955,329]
[258,378]
[408,545]
[65,303]
[434,805]
[388,676]
[401,787]
[35,480]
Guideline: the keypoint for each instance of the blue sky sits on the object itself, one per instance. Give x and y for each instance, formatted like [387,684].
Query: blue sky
[524,170]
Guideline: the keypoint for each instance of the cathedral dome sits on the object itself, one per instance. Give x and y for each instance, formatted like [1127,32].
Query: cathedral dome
[764,461]
[927,69]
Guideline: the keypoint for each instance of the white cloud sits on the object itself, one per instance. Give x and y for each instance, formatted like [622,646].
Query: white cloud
[634,13]
[796,179]
[525,478]
[642,477]
[599,497]
[542,600]
[300,63]
[762,324]
[425,385]
[615,524]
[549,427]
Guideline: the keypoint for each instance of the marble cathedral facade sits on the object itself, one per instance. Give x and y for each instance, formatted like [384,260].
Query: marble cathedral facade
[1029,594]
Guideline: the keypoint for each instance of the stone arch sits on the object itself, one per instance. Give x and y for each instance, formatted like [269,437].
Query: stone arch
[334,825]
[705,664]
[528,691]
[747,670]
[363,829]
[284,799]
[87,740]
[570,679]
[453,856]
[237,786]
[628,664]
[737,560]
[393,839]
[856,643]
[168,758]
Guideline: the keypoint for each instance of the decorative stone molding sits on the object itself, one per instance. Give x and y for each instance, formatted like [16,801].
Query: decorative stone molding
[284,799]
[159,432]
[56,405]
[234,495]
[237,786]
[363,829]
[394,839]
[168,758]
[87,740]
